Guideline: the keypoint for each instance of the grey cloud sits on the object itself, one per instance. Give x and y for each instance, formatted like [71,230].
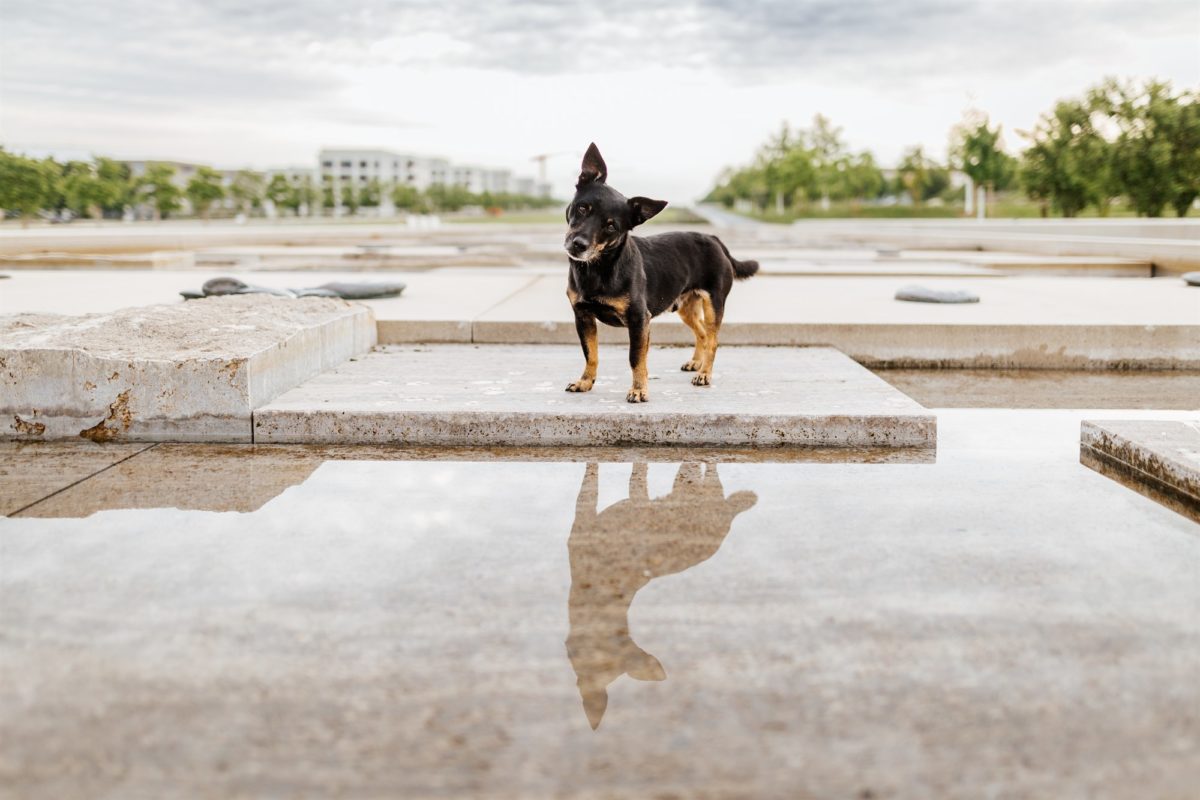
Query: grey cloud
[211,49]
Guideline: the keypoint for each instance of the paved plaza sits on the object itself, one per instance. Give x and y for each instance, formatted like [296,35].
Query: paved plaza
[264,547]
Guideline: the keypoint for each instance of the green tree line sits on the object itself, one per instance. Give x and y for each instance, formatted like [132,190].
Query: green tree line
[1138,143]
[106,187]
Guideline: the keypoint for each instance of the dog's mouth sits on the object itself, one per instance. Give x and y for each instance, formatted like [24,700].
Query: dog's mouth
[593,251]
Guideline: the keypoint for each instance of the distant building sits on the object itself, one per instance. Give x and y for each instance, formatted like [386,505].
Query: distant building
[358,167]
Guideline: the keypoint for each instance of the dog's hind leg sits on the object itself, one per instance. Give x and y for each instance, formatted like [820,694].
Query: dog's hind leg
[691,311]
[712,326]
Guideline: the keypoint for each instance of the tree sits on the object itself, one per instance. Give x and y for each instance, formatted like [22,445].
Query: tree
[303,194]
[1156,154]
[118,184]
[920,176]
[1069,164]
[978,150]
[156,186]
[408,198]
[448,198]
[204,189]
[247,189]
[279,191]
[794,166]
[350,198]
[26,184]
[371,195]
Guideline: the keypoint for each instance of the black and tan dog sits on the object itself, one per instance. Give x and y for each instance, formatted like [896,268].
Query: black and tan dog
[625,280]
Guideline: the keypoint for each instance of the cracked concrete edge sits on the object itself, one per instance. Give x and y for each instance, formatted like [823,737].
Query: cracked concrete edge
[523,429]
[1153,472]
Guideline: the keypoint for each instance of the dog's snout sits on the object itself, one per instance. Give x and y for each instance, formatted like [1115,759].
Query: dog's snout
[577,245]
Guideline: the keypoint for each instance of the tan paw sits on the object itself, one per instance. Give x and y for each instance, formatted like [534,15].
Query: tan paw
[690,366]
[703,379]
[636,396]
[580,386]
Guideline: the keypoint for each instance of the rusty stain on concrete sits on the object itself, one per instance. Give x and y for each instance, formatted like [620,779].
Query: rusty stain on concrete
[118,415]
[27,428]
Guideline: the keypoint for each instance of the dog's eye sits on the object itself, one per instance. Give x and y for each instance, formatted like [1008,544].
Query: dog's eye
[581,209]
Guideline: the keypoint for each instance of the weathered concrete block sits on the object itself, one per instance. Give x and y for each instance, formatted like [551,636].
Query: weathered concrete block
[1160,459]
[498,395]
[188,371]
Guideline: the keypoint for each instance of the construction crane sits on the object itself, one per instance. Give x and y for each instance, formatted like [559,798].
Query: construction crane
[542,159]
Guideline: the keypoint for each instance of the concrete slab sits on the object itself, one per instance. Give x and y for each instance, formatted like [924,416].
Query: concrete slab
[1163,457]
[882,268]
[1032,263]
[1048,388]
[435,307]
[32,471]
[189,371]
[164,259]
[499,395]
[1030,323]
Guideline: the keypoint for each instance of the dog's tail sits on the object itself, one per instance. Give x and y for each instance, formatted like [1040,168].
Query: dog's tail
[741,269]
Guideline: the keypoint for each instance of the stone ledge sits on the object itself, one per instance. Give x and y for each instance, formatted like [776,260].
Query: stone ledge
[1158,458]
[499,395]
[187,371]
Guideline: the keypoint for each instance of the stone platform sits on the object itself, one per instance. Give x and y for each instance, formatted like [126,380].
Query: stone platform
[185,372]
[514,396]
[1158,458]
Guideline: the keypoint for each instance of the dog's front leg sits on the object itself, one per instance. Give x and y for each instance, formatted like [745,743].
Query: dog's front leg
[639,346]
[585,326]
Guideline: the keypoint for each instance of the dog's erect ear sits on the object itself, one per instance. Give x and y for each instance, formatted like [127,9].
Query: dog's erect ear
[643,208]
[593,169]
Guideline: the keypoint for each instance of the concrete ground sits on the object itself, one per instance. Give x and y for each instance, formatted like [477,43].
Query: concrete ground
[1028,322]
[1004,622]
[990,618]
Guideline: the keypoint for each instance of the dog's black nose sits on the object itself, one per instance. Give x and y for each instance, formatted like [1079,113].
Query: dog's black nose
[577,246]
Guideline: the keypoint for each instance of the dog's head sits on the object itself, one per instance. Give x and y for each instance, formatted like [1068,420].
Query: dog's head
[599,216]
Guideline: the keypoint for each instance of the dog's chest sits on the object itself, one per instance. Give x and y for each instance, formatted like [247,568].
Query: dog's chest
[609,310]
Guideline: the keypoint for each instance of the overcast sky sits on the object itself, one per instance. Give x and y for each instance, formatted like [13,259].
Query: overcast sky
[671,91]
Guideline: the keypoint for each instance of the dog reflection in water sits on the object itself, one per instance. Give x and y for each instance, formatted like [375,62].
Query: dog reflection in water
[617,551]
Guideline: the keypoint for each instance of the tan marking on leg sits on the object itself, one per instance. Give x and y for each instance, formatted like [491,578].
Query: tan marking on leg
[712,325]
[637,393]
[585,382]
[572,295]
[692,314]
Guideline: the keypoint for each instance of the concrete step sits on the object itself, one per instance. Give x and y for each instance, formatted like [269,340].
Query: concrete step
[183,372]
[511,395]
[1160,459]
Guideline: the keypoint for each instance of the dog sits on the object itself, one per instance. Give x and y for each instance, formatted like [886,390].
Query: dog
[625,280]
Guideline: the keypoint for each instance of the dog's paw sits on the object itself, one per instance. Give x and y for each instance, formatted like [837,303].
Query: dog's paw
[636,396]
[703,379]
[579,386]
[690,366]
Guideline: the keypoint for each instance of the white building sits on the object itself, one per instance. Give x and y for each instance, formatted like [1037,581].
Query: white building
[360,167]
[355,167]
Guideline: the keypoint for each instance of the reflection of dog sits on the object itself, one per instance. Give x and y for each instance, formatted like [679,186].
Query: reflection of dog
[617,551]
[625,280]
